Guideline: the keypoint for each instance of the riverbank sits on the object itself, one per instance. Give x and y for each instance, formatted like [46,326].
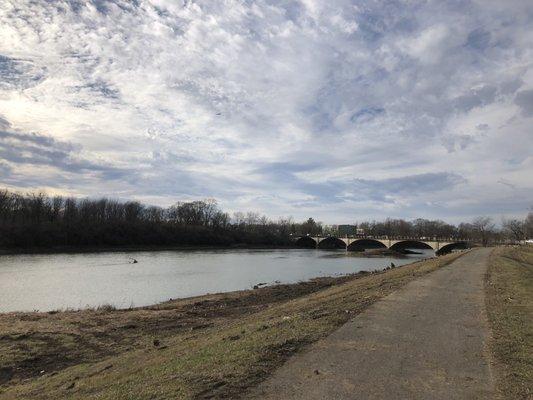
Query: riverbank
[509,287]
[214,346]
[127,249]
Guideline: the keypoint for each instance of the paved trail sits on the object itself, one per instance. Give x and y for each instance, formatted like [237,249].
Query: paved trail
[425,341]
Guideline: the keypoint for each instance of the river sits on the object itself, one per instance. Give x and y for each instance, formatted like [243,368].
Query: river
[48,282]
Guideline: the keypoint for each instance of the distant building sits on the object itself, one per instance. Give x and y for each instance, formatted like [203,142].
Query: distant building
[347,230]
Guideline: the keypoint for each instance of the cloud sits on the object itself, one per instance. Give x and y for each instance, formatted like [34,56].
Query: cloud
[366,114]
[412,185]
[283,107]
[37,150]
[478,39]
[19,73]
[5,170]
[524,99]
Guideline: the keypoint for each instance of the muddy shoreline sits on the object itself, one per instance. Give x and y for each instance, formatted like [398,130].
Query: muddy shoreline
[100,332]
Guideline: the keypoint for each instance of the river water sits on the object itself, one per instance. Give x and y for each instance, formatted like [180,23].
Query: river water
[59,281]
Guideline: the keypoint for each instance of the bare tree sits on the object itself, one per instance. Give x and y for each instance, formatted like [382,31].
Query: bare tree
[252,218]
[483,227]
[238,218]
[154,214]
[57,205]
[514,228]
[528,225]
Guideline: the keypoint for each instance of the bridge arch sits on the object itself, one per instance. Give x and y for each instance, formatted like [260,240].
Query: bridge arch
[306,242]
[452,246]
[331,242]
[363,244]
[411,244]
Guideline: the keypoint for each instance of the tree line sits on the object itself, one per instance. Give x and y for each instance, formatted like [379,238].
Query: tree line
[481,230]
[37,220]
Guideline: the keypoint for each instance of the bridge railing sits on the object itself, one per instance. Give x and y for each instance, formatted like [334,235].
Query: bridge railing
[415,238]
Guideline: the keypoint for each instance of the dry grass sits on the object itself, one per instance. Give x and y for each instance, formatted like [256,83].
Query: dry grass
[510,309]
[49,342]
[208,347]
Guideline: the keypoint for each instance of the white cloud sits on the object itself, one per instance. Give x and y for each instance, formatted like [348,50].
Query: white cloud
[428,46]
[203,98]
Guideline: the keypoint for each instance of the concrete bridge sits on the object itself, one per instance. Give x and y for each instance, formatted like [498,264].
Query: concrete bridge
[363,243]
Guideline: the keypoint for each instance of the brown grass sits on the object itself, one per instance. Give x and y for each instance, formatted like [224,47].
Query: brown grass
[206,347]
[510,309]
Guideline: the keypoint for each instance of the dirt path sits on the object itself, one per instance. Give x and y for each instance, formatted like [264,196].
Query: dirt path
[424,341]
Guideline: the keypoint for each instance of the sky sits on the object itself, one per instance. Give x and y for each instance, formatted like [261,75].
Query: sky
[340,110]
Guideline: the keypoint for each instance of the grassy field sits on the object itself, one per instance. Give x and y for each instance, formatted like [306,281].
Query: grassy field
[510,309]
[207,347]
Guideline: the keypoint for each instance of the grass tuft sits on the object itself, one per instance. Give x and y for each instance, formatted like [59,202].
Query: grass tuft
[106,308]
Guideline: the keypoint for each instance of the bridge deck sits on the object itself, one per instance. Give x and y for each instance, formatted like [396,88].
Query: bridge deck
[435,244]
